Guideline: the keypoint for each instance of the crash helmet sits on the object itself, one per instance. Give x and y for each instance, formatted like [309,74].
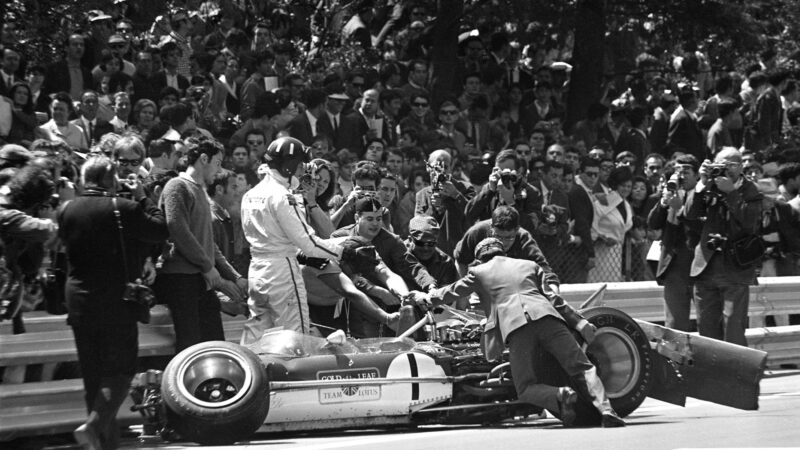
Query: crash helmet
[285,154]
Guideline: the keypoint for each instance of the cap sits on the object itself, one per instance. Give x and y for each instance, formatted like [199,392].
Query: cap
[116,39]
[368,203]
[417,25]
[96,15]
[14,154]
[487,247]
[423,227]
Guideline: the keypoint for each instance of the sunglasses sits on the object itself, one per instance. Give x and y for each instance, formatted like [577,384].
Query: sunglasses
[128,162]
[449,112]
[420,105]
[117,46]
[430,244]
[358,85]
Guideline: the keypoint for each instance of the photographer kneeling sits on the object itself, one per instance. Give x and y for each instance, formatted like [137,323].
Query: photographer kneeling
[106,240]
[725,209]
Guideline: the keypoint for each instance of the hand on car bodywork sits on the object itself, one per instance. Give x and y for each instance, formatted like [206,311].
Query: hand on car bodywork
[421,299]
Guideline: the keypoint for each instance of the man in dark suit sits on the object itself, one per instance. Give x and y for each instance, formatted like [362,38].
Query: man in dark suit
[68,74]
[684,132]
[92,127]
[369,121]
[552,231]
[333,123]
[263,79]
[169,76]
[677,252]
[9,65]
[580,247]
[769,111]
[525,314]
[306,125]
[142,85]
[635,139]
[731,206]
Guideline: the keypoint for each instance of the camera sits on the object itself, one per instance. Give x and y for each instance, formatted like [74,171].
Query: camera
[311,175]
[675,182]
[716,170]
[438,176]
[716,242]
[508,177]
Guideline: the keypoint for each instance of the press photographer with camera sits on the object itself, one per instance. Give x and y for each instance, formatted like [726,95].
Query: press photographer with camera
[726,208]
[669,216]
[508,186]
[107,239]
[366,178]
[445,200]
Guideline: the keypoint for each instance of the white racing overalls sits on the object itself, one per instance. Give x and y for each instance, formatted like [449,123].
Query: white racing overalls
[275,226]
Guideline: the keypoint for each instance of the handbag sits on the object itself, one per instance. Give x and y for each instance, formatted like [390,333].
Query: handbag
[136,293]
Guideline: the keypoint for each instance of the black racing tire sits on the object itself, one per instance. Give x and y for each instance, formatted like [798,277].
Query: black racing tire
[216,393]
[621,354]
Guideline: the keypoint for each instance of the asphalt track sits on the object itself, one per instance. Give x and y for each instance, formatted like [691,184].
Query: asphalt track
[655,425]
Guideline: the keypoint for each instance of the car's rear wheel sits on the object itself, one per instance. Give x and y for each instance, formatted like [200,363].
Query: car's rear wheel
[216,393]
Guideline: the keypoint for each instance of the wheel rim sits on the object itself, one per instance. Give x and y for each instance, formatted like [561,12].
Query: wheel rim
[215,378]
[617,360]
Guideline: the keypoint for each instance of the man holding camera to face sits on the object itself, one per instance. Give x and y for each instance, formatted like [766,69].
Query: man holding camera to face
[507,186]
[726,208]
[669,216]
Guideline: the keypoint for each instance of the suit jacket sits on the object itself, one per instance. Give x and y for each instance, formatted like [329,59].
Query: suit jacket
[674,237]
[451,219]
[300,129]
[581,210]
[144,87]
[57,78]
[512,293]
[159,81]
[528,202]
[735,215]
[769,117]
[100,128]
[251,89]
[635,142]
[685,133]
[467,127]
[345,134]
[359,129]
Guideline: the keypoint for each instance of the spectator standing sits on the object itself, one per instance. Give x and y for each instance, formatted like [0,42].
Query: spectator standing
[581,210]
[59,127]
[104,324]
[613,217]
[193,264]
[69,74]
[731,205]
[769,110]
[445,200]
[684,131]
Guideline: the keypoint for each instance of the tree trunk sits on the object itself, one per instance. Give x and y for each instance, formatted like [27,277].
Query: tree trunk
[587,69]
[444,53]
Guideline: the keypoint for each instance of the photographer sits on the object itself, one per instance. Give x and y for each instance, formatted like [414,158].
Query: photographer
[669,216]
[507,186]
[366,179]
[103,322]
[445,200]
[727,207]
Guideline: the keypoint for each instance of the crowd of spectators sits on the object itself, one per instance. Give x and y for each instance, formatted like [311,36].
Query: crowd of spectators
[188,106]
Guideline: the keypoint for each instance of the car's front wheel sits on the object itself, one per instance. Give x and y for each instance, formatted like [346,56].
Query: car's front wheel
[216,393]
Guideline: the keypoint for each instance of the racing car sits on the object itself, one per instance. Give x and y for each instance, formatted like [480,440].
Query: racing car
[219,392]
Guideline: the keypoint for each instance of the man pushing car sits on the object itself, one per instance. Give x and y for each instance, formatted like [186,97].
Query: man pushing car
[526,315]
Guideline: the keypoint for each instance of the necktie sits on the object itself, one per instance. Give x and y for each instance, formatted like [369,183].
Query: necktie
[335,125]
[89,134]
[475,137]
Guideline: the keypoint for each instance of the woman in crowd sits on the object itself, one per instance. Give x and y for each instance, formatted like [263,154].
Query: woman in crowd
[317,191]
[103,322]
[143,117]
[613,217]
[637,236]
[23,117]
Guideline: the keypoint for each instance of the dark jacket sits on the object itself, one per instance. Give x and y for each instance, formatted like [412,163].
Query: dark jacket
[684,132]
[674,238]
[452,221]
[96,277]
[734,215]
[527,202]
[397,258]
[57,78]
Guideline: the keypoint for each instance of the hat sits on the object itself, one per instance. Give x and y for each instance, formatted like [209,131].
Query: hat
[336,91]
[488,247]
[417,25]
[368,203]
[117,39]
[13,154]
[96,15]
[423,227]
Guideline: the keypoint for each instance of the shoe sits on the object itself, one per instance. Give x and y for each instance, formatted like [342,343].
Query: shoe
[567,398]
[610,419]
[86,437]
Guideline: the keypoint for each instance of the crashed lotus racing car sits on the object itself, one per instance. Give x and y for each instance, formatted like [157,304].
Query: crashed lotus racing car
[219,393]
